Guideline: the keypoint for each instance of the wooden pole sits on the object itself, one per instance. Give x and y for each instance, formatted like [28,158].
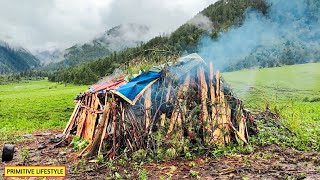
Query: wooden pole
[178,111]
[147,109]
[98,138]
[83,117]
[217,134]
[213,100]
[72,119]
[203,87]
[163,115]
[114,126]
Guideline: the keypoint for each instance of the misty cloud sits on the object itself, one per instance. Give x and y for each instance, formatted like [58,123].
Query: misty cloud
[290,32]
[201,21]
[38,24]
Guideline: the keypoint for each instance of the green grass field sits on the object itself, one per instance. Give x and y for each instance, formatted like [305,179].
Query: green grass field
[291,91]
[34,105]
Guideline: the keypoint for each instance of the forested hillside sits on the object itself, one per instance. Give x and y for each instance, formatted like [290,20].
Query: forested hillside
[115,39]
[16,59]
[223,15]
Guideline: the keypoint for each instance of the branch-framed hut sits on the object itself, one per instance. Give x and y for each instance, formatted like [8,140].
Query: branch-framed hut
[185,100]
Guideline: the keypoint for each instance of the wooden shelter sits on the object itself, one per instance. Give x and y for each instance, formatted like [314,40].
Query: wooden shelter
[187,100]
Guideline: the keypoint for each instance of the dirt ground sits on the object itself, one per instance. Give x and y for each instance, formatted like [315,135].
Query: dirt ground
[269,162]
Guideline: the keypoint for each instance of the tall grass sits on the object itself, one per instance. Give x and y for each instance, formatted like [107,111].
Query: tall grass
[34,105]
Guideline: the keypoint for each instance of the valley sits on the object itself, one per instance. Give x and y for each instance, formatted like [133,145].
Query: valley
[228,89]
[289,91]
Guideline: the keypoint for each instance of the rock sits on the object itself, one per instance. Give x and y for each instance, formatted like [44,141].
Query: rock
[43,134]
[42,146]
[28,136]
[57,138]
[62,153]
[70,150]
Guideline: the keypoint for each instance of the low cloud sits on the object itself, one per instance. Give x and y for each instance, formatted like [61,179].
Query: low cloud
[38,24]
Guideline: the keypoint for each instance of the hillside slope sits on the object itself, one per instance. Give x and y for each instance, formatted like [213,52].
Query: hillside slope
[213,20]
[16,59]
[50,55]
[115,39]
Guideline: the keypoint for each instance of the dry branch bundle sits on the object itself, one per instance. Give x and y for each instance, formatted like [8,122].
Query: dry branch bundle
[192,104]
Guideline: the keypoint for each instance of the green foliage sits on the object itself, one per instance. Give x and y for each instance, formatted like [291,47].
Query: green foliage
[16,60]
[184,40]
[143,174]
[79,54]
[117,175]
[171,153]
[24,155]
[23,76]
[78,143]
[194,173]
[192,164]
[224,13]
[284,53]
[79,166]
[139,155]
[100,159]
[220,151]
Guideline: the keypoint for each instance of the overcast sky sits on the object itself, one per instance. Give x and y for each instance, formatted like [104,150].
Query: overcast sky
[42,24]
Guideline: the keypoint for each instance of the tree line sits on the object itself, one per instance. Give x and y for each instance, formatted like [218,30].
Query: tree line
[223,15]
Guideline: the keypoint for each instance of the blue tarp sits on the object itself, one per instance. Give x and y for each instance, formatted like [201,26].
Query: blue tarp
[133,90]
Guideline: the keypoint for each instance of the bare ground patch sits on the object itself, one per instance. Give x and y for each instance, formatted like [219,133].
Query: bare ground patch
[268,162]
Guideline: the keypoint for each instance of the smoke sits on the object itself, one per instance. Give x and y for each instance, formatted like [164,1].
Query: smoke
[125,35]
[289,34]
[202,22]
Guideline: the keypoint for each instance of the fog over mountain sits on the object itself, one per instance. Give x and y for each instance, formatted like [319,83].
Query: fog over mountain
[41,25]
[16,59]
[115,39]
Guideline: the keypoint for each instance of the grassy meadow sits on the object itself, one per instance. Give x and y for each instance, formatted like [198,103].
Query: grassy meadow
[34,105]
[293,92]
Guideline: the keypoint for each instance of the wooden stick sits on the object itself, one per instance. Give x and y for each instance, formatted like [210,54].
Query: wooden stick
[173,120]
[94,117]
[242,129]
[99,135]
[163,115]
[114,126]
[218,84]
[147,109]
[91,119]
[72,119]
[227,120]
[105,122]
[182,98]
[203,87]
[213,100]
[217,134]
[238,133]
[82,123]
[87,124]
[124,127]
[134,129]
[177,111]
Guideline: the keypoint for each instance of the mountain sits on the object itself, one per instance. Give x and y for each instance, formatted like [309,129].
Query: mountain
[53,55]
[115,39]
[16,59]
[212,22]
